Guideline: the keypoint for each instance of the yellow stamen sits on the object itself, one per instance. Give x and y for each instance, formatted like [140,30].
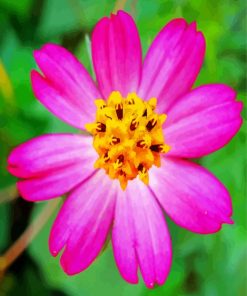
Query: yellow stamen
[143,174]
[128,137]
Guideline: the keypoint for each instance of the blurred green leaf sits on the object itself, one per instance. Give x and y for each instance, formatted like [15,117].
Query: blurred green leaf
[21,8]
[63,16]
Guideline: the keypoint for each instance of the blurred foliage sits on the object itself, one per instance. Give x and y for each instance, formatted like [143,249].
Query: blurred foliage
[202,265]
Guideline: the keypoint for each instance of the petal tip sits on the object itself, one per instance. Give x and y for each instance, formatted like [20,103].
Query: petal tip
[229,220]
[68,268]
[54,253]
[53,250]
[34,75]
[177,23]
[150,285]
[133,280]
[130,277]
[193,25]
[11,169]
[202,41]
[21,191]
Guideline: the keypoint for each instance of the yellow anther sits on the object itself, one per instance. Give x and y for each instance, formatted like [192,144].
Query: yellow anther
[145,142]
[119,162]
[117,165]
[166,148]
[160,148]
[100,104]
[114,140]
[101,127]
[91,127]
[162,118]
[151,123]
[143,174]
[132,99]
[152,103]
[144,177]
[141,144]
[115,98]
[134,124]
[106,157]
[128,137]
[119,111]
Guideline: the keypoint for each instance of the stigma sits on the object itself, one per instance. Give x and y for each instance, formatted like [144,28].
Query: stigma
[128,137]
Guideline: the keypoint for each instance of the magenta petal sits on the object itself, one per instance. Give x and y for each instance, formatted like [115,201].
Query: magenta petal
[123,237]
[116,51]
[203,121]
[83,223]
[191,195]
[66,89]
[49,152]
[51,185]
[52,164]
[140,236]
[172,63]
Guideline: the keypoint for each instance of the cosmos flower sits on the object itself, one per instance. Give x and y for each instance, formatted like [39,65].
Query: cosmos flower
[142,121]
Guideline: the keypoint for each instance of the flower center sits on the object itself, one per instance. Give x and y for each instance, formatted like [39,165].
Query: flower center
[127,136]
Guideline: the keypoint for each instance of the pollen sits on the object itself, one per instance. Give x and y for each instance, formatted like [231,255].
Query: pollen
[128,137]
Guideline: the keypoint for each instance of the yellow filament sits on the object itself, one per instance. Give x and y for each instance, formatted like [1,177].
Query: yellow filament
[127,136]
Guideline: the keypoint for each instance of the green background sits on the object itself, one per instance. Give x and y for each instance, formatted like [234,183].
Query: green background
[202,265]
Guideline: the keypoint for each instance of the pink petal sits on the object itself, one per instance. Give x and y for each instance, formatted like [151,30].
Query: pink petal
[191,195]
[49,152]
[53,184]
[123,237]
[203,121]
[172,63]
[66,89]
[116,52]
[140,236]
[83,223]
[52,164]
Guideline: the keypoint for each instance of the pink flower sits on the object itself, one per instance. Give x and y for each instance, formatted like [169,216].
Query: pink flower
[129,144]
